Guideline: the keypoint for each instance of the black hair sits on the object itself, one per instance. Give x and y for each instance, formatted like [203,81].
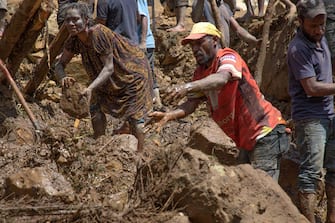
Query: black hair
[84,10]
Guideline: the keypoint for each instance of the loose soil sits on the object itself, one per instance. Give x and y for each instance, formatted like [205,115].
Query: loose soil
[100,172]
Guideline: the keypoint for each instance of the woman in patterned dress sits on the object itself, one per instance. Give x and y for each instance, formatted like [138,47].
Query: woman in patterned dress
[118,70]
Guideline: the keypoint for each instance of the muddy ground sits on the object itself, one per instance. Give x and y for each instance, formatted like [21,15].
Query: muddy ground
[105,180]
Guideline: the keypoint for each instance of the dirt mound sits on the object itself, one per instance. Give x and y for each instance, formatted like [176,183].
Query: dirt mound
[206,191]
[113,183]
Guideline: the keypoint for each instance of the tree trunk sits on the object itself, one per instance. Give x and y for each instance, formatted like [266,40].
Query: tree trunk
[217,19]
[265,38]
[42,68]
[17,26]
[28,38]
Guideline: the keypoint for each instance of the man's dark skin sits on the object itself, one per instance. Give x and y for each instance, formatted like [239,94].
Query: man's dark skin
[314,29]
[204,51]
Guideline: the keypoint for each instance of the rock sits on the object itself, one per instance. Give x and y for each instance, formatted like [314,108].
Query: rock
[289,170]
[118,166]
[173,55]
[118,201]
[20,131]
[39,181]
[208,192]
[73,103]
[208,137]
[124,143]
[180,218]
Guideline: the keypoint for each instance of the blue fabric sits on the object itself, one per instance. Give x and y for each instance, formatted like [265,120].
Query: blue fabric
[306,60]
[268,152]
[143,10]
[120,16]
[315,138]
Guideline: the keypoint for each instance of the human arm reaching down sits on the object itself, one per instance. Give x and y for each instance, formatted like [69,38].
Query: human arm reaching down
[103,76]
[211,82]
[144,29]
[242,33]
[61,76]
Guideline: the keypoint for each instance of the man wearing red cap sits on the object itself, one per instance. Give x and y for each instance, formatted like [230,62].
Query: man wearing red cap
[236,104]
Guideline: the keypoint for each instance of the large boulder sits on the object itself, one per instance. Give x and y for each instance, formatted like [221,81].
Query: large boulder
[208,137]
[39,181]
[207,191]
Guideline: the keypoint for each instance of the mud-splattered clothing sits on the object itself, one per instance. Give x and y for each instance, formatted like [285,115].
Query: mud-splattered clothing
[306,59]
[238,108]
[127,93]
[313,116]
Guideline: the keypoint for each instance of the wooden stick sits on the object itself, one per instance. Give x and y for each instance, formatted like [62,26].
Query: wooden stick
[42,68]
[17,26]
[21,210]
[217,19]
[28,38]
[265,38]
[153,15]
[19,95]
[76,123]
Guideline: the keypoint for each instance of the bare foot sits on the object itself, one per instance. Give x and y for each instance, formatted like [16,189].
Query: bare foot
[177,28]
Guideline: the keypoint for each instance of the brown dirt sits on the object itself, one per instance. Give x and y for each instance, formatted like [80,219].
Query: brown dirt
[98,170]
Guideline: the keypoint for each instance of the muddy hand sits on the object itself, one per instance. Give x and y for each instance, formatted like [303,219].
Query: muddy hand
[87,93]
[161,118]
[143,46]
[175,93]
[68,82]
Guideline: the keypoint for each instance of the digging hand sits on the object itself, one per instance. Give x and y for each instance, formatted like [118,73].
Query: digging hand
[87,93]
[176,93]
[143,46]
[67,81]
[162,118]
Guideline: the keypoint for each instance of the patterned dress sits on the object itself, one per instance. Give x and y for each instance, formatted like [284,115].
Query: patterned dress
[128,92]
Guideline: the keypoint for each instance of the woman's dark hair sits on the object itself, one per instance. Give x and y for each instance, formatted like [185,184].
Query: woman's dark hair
[84,10]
